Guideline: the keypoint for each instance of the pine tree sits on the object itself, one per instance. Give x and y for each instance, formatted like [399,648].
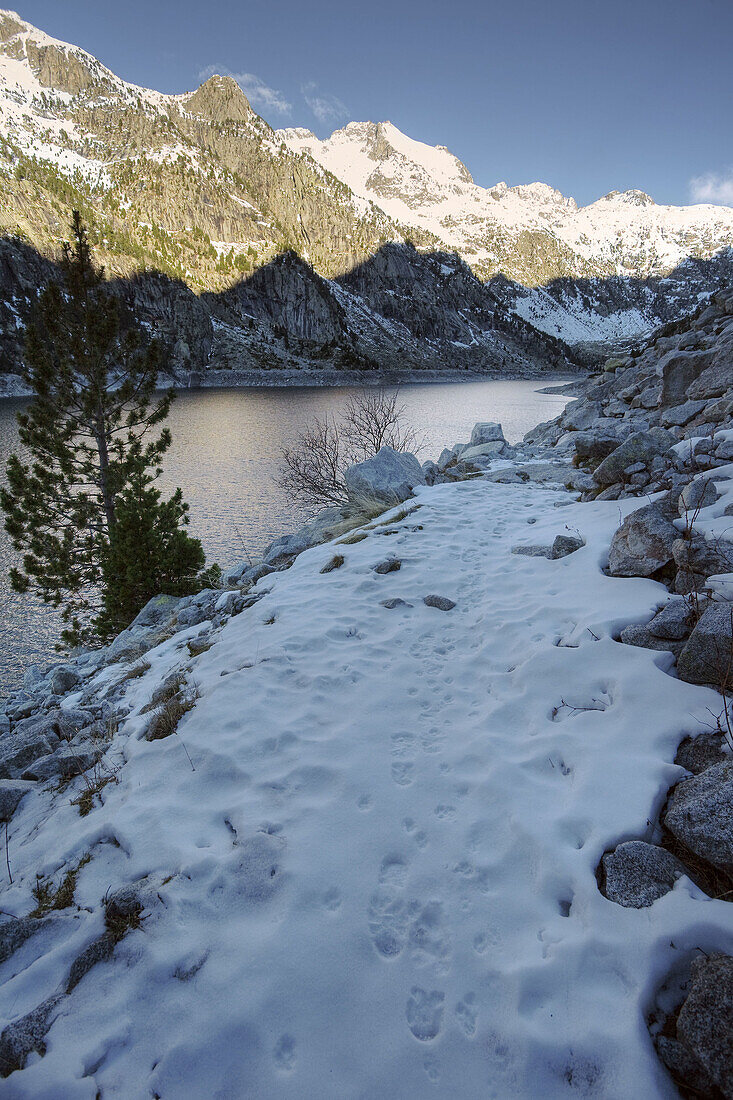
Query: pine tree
[71,508]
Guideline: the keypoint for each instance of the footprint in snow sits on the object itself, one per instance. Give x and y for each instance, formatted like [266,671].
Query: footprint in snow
[424,1013]
[467,1014]
[284,1053]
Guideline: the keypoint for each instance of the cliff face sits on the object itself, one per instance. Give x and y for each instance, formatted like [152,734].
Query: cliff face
[400,310]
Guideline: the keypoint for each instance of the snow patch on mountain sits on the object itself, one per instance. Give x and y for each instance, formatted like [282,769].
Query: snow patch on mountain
[622,233]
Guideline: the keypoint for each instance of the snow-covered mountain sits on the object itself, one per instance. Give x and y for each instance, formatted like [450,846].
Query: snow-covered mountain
[623,233]
[201,188]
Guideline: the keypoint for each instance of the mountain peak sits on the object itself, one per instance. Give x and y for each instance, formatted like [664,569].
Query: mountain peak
[220,99]
[633,197]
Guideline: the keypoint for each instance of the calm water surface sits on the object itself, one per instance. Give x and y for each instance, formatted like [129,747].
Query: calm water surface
[225,455]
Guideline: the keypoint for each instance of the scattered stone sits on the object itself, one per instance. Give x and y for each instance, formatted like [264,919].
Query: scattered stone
[391,565]
[395,601]
[441,602]
[699,815]
[564,545]
[636,873]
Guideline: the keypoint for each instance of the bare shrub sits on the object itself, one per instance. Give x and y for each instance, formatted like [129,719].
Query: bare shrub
[313,467]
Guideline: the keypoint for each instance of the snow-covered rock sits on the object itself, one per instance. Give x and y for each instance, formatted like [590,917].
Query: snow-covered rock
[387,478]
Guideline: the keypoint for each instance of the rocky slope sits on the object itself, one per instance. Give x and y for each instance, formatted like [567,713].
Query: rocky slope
[199,187]
[397,312]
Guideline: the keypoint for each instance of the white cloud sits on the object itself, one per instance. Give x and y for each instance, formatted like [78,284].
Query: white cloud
[713,188]
[261,95]
[327,108]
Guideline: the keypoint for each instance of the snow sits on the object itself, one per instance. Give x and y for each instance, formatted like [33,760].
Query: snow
[417,184]
[379,880]
[570,320]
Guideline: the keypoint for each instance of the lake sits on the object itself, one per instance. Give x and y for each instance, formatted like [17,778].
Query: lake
[225,456]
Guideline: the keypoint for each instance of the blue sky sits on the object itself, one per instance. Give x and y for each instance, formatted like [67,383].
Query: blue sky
[587,95]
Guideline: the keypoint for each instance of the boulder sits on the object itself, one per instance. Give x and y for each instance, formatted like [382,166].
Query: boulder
[394,602]
[699,814]
[592,448]
[388,478]
[706,656]
[641,635]
[145,629]
[23,1036]
[679,415]
[391,565]
[564,545]
[639,447]
[486,432]
[684,1067]
[697,494]
[696,753]
[579,415]
[481,450]
[532,551]
[12,791]
[14,931]
[21,748]
[702,558]
[636,873]
[98,951]
[643,543]
[282,551]
[63,679]
[679,369]
[441,602]
[674,621]
[705,1021]
[446,458]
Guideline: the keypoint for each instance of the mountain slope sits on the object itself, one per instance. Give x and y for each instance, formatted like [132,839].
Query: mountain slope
[530,232]
[196,185]
[400,310]
[200,188]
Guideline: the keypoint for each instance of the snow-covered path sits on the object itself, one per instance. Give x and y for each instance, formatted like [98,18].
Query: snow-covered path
[379,881]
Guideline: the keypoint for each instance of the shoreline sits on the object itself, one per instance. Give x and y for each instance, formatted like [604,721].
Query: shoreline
[12,388]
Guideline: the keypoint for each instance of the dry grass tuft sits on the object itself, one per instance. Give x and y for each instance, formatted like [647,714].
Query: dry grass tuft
[49,897]
[335,563]
[170,712]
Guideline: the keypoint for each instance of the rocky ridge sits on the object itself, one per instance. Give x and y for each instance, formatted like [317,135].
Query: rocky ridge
[400,311]
[199,187]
